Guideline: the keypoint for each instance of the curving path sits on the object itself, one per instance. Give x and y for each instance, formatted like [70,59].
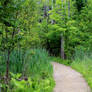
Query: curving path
[68,80]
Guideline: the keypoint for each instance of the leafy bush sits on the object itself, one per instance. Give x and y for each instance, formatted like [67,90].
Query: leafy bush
[30,85]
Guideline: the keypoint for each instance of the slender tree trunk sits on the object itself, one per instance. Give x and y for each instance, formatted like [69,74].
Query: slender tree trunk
[45,11]
[62,3]
[62,46]
[86,1]
[65,4]
[52,21]
[68,8]
[7,59]
[52,4]
[0,89]
[48,8]
[6,2]
[7,67]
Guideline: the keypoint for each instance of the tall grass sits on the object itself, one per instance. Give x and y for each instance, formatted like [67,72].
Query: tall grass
[15,62]
[38,62]
[31,61]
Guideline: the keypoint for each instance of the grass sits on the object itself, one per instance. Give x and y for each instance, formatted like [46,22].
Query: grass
[85,68]
[32,61]
[83,63]
[61,61]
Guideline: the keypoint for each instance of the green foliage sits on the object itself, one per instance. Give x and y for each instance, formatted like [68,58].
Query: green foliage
[16,19]
[39,61]
[74,23]
[28,24]
[33,85]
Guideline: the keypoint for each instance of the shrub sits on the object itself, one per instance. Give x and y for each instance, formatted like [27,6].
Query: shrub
[29,85]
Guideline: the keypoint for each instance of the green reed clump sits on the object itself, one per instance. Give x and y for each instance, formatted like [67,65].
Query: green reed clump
[31,60]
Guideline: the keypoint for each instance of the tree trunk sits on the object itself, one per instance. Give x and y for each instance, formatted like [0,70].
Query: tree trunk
[45,11]
[52,21]
[0,89]
[62,46]
[86,1]
[52,4]
[68,8]
[7,67]
[62,3]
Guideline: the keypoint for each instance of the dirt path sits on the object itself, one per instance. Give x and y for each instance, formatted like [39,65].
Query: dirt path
[68,80]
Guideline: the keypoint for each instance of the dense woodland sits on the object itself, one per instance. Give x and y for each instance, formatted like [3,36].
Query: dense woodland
[35,32]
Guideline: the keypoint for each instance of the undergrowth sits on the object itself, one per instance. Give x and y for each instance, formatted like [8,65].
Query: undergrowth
[34,67]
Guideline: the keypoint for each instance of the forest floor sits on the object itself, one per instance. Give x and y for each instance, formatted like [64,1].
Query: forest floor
[68,80]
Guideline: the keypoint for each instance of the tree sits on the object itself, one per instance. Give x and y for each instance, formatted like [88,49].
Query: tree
[13,15]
